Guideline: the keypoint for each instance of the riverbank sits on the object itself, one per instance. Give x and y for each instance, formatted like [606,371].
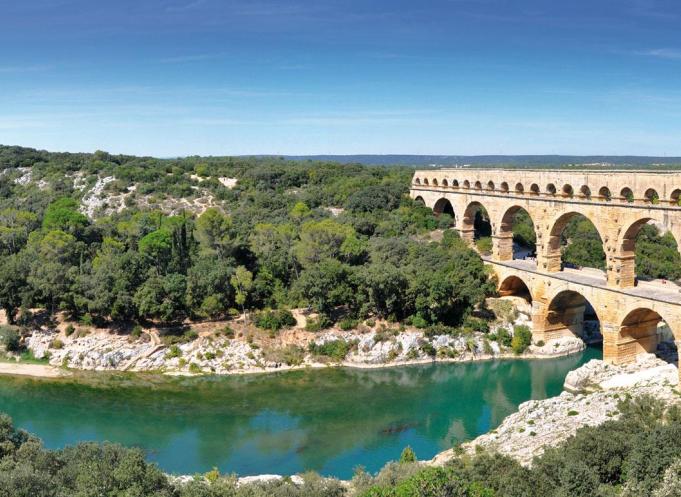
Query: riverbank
[290,350]
[33,370]
[235,347]
[591,396]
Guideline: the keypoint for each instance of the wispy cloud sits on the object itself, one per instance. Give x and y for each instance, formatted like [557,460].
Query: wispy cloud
[662,53]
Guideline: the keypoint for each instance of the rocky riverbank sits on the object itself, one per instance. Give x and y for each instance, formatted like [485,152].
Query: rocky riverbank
[592,395]
[210,354]
[234,347]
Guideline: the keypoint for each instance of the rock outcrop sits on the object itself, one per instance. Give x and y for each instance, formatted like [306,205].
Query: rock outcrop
[597,388]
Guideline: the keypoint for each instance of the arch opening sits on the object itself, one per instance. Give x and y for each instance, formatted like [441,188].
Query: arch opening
[534,189]
[517,238]
[651,196]
[466,184]
[445,182]
[444,210]
[575,243]
[425,181]
[648,253]
[477,228]
[490,185]
[645,331]
[568,191]
[455,184]
[604,194]
[478,185]
[504,187]
[519,188]
[585,192]
[551,189]
[417,181]
[419,200]
[571,314]
[434,181]
[627,195]
[675,197]
[516,287]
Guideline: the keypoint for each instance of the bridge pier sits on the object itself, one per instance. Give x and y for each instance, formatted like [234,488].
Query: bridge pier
[502,247]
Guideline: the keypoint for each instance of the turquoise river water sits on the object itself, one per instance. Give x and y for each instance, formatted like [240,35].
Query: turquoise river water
[328,420]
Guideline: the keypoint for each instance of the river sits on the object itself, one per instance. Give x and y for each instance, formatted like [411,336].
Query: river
[328,420]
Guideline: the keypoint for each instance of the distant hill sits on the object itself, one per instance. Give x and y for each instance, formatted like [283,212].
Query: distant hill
[497,160]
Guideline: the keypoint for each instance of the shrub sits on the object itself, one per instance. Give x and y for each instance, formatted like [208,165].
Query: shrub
[407,455]
[419,322]
[274,320]
[68,331]
[174,351]
[136,331]
[194,368]
[522,338]
[317,324]
[476,324]
[291,355]
[9,338]
[86,319]
[484,245]
[440,329]
[427,348]
[348,324]
[503,337]
[334,349]
[56,344]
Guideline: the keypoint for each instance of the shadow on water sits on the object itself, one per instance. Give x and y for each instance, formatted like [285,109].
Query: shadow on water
[326,420]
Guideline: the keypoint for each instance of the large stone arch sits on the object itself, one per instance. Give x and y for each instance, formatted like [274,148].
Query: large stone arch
[467,225]
[564,315]
[638,333]
[625,258]
[551,256]
[514,285]
[503,238]
[444,206]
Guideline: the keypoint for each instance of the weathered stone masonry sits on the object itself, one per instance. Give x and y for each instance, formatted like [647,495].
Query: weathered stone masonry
[618,203]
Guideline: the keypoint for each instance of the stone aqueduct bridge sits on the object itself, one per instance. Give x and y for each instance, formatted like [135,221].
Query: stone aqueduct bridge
[618,203]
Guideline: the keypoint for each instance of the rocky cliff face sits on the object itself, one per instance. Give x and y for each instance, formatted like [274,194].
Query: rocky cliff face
[595,392]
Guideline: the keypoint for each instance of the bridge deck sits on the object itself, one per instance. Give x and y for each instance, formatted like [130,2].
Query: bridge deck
[669,293]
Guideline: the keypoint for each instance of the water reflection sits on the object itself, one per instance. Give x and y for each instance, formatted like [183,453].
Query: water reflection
[326,420]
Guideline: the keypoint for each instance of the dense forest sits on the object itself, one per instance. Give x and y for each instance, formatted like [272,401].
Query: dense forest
[288,234]
[638,454]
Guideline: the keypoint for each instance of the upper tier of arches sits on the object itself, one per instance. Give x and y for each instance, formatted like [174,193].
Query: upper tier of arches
[644,195]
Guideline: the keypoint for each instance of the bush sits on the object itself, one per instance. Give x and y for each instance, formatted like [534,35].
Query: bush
[484,245]
[348,324]
[56,344]
[174,351]
[522,338]
[418,321]
[68,331]
[407,455]
[503,337]
[291,355]
[274,320]
[317,324]
[476,324]
[333,349]
[9,338]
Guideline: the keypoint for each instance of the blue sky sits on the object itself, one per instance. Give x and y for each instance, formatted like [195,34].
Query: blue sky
[183,77]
